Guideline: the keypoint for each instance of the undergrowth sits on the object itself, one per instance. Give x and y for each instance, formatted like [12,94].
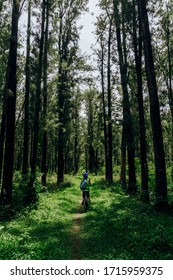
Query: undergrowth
[42,232]
[116,226]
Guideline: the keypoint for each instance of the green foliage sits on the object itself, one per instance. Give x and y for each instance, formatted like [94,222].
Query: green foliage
[116,225]
[43,233]
[65,184]
[120,227]
[31,191]
[23,192]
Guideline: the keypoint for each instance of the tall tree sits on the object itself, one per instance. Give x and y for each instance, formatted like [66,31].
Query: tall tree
[27,91]
[61,90]
[104,40]
[102,57]
[90,115]
[137,43]
[5,26]
[45,63]
[109,90]
[76,126]
[128,134]
[166,60]
[38,99]
[10,100]
[161,183]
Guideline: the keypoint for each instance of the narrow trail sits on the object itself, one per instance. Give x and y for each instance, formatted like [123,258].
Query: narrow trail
[76,234]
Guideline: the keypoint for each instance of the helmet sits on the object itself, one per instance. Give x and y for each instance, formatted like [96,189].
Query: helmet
[85,175]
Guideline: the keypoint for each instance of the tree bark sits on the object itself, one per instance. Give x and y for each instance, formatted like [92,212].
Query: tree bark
[76,138]
[61,105]
[37,102]
[91,153]
[11,84]
[104,110]
[161,183]
[2,134]
[169,83]
[44,144]
[137,42]
[110,168]
[123,160]
[27,91]
[127,119]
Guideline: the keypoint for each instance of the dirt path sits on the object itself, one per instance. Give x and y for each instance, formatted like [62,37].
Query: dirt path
[76,234]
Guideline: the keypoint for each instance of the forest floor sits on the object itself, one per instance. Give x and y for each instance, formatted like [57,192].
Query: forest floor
[76,255]
[116,226]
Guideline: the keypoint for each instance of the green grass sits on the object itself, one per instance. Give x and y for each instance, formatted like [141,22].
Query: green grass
[115,227]
[121,227]
[43,233]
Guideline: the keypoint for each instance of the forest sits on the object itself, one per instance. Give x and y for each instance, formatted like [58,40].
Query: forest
[64,112]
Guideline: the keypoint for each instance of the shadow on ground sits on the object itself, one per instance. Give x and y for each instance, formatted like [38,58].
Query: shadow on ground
[126,229]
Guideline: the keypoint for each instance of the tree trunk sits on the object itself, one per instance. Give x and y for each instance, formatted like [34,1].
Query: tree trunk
[61,132]
[91,153]
[127,119]
[76,136]
[61,89]
[161,184]
[75,154]
[11,83]
[44,144]
[37,102]
[61,125]
[104,112]
[143,146]
[27,91]
[169,83]
[110,173]
[2,135]
[123,160]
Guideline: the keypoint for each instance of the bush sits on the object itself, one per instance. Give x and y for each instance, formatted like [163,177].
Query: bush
[25,190]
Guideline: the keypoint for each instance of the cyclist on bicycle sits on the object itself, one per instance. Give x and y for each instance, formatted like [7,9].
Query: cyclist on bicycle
[86,191]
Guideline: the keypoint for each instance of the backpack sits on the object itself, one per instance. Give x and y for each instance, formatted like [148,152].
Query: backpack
[83,184]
